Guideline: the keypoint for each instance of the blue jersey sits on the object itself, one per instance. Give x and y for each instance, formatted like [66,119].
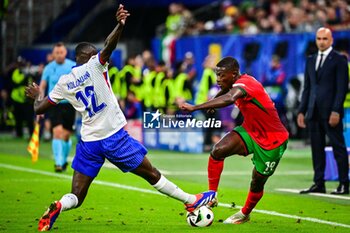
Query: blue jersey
[53,71]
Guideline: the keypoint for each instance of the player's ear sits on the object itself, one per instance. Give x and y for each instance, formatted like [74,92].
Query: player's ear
[234,74]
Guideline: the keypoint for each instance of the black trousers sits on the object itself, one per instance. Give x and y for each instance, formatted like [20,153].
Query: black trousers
[23,113]
[319,128]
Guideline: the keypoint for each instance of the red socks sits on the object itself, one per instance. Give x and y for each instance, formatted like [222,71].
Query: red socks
[215,168]
[252,200]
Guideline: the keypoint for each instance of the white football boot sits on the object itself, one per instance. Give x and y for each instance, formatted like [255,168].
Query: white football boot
[237,218]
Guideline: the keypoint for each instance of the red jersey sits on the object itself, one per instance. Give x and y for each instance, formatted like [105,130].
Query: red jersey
[261,119]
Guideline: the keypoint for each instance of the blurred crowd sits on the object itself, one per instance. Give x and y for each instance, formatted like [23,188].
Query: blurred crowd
[142,84]
[261,16]
[250,17]
[147,85]
[16,111]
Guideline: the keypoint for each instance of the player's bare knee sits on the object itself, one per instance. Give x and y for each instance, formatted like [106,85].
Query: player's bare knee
[256,188]
[217,152]
[154,175]
[66,134]
[257,185]
[66,137]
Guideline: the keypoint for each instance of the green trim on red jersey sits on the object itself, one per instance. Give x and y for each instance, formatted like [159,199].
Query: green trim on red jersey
[242,90]
[259,105]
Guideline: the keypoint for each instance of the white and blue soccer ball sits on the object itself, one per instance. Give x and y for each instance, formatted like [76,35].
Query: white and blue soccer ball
[201,217]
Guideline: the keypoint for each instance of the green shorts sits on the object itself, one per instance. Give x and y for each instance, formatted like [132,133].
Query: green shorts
[265,161]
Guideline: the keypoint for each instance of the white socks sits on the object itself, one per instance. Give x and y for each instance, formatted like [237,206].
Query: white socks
[168,188]
[68,201]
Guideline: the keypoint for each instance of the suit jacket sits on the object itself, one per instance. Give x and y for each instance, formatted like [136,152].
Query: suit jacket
[325,88]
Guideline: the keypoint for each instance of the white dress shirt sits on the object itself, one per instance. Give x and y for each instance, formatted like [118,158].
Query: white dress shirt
[325,54]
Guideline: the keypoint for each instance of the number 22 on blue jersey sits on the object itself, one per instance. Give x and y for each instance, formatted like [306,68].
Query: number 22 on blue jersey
[89,99]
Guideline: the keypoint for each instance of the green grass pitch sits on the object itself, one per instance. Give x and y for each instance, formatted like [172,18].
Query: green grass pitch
[119,202]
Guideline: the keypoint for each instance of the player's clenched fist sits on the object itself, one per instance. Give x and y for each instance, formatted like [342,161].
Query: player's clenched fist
[122,14]
[32,91]
[187,107]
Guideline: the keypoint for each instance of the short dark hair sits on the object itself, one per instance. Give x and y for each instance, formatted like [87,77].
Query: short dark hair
[59,44]
[83,46]
[229,63]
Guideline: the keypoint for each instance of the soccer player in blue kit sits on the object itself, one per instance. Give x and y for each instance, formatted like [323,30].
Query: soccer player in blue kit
[88,89]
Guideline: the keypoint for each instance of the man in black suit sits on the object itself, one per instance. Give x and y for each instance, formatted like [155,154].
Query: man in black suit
[321,108]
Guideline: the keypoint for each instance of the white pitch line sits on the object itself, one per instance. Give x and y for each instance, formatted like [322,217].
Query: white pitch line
[127,187]
[107,164]
[206,156]
[233,173]
[314,194]
[316,220]
[69,177]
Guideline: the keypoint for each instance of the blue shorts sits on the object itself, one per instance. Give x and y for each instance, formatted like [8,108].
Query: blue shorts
[120,149]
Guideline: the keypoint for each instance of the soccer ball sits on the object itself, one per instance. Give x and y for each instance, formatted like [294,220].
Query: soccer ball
[201,217]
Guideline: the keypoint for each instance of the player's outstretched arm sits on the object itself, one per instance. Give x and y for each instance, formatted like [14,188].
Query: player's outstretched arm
[41,105]
[220,93]
[219,102]
[113,38]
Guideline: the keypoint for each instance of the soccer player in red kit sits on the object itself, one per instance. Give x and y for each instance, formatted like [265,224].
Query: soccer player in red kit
[261,134]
